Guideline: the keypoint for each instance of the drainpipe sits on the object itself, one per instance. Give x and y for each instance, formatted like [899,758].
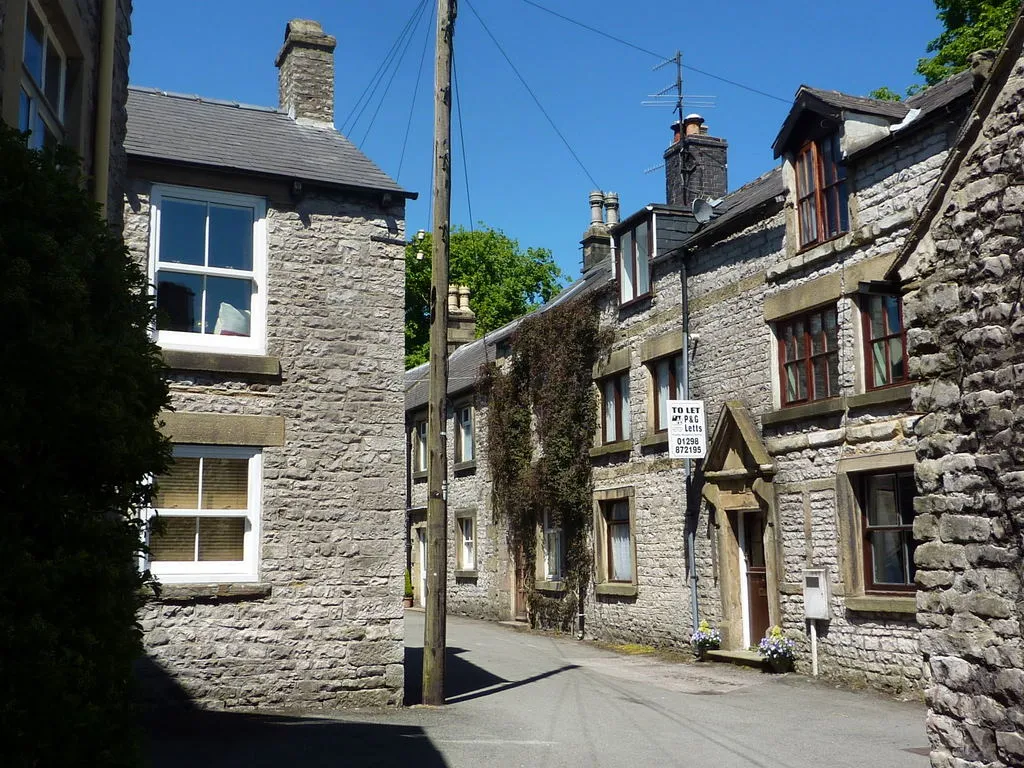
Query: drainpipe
[691,557]
[104,90]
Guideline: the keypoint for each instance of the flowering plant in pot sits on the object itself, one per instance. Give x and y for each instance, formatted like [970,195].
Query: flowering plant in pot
[779,651]
[706,638]
[407,596]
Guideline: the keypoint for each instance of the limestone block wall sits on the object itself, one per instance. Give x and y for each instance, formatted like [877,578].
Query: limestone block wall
[328,631]
[967,344]
[487,594]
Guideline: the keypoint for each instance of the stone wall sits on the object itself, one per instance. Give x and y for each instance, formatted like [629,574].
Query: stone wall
[328,629]
[967,345]
[484,592]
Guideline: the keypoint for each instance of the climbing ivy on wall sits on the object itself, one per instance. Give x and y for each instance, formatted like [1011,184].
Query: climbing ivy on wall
[542,415]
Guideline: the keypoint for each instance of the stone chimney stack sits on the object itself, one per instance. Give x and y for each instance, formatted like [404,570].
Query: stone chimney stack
[596,243]
[696,165]
[305,77]
[461,319]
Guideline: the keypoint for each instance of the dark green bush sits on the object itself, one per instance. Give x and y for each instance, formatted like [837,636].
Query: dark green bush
[80,389]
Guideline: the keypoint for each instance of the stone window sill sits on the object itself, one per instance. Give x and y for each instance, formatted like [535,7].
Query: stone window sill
[631,305]
[811,255]
[419,475]
[807,411]
[658,440]
[608,449]
[552,585]
[897,394]
[464,467]
[206,593]
[467,574]
[618,590]
[882,604]
[216,362]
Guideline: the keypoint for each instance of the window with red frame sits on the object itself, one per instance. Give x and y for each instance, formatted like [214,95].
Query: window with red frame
[822,208]
[885,341]
[887,502]
[809,356]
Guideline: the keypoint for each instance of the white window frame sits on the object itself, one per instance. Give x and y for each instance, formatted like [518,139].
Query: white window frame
[464,422]
[466,551]
[553,548]
[39,107]
[634,270]
[418,445]
[256,342]
[207,572]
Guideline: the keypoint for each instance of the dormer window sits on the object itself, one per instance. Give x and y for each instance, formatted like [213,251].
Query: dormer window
[633,253]
[822,209]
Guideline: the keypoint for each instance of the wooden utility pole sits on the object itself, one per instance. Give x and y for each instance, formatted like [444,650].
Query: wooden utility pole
[434,631]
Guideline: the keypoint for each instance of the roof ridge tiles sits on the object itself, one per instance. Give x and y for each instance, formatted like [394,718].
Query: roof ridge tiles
[205,99]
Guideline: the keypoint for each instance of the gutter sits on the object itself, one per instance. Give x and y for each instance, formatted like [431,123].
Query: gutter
[104,107]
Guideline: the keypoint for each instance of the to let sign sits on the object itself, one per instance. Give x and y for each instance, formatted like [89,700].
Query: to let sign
[687,434]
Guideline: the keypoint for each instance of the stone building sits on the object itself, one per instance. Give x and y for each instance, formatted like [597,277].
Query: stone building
[64,78]
[275,250]
[796,346]
[962,268]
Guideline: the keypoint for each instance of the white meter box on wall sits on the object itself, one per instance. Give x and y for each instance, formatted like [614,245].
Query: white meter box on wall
[817,594]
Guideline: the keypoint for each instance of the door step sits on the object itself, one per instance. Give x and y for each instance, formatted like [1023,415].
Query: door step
[740,658]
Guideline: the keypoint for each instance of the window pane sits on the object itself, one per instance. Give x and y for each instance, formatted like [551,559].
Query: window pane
[817,335]
[677,363]
[643,279]
[24,112]
[621,556]
[227,306]
[833,374]
[892,315]
[225,483]
[844,206]
[183,232]
[878,365]
[33,56]
[467,435]
[820,367]
[831,329]
[179,488]
[876,316]
[176,543]
[54,77]
[882,500]
[662,392]
[620,511]
[792,391]
[626,266]
[887,553]
[624,412]
[609,411]
[222,538]
[179,302]
[230,237]
[801,381]
[907,491]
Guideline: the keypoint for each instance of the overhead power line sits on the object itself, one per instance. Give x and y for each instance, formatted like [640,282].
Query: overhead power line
[412,103]
[374,81]
[462,142]
[649,52]
[533,95]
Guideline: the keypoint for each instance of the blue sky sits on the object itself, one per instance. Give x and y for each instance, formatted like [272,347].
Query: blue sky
[522,179]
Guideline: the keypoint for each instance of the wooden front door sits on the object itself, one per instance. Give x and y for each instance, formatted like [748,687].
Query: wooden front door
[752,551]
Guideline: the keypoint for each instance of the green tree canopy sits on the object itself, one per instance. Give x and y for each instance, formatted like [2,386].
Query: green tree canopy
[969,26]
[504,281]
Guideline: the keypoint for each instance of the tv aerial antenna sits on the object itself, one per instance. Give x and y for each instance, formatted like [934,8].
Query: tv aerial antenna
[672,96]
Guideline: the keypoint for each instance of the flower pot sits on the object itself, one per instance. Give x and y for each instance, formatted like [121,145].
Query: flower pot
[407,602]
[780,664]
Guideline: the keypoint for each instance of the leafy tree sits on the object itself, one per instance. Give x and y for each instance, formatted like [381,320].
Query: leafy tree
[885,94]
[969,25]
[504,282]
[81,388]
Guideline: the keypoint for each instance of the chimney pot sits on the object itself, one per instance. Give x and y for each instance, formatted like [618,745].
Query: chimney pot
[596,206]
[692,124]
[305,77]
[611,203]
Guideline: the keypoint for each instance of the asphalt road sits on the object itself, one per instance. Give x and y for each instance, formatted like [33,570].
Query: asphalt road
[525,699]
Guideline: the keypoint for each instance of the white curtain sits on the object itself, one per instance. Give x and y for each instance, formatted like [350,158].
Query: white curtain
[622,560]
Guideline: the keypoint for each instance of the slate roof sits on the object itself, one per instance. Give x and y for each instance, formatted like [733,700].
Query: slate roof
[222,134]
[764,189]
[862,104]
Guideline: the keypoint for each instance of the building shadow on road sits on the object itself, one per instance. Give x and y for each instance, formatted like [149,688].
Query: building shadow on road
[246,740]
[463,679]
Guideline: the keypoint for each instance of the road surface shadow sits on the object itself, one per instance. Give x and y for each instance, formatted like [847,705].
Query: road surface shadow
[244,740]
[463,680]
